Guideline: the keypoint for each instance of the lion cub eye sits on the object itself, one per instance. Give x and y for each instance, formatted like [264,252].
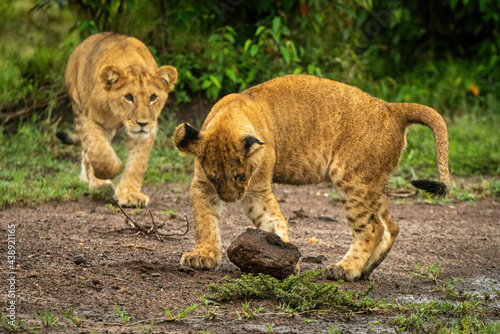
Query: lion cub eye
[152,98]
[129,97]
[239,177]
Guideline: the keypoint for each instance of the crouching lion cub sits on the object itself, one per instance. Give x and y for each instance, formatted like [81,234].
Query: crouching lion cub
[301,129]
[113,83]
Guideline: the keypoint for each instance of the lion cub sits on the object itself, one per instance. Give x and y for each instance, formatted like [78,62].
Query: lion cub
[113,83]
[301,129]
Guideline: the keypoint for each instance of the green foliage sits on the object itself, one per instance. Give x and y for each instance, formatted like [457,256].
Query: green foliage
[296,292]
[11,326]
[123,316]
[182,313]
[249,312]
[48,320]
[35,46]
[299,294]
[75,319]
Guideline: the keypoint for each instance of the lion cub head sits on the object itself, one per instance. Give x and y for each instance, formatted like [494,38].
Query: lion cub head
[137,96]
[229,156]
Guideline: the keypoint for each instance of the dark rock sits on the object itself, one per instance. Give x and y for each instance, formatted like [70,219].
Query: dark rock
[95,281]
[80,259]
[257,251]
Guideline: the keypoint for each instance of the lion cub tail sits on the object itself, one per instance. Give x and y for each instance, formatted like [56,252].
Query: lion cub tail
[414,113]
[68,138]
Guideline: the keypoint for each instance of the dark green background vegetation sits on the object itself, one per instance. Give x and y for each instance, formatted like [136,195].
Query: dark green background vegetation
[444,54]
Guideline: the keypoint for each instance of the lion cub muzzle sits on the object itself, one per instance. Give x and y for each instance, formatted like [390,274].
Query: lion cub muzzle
[230,196]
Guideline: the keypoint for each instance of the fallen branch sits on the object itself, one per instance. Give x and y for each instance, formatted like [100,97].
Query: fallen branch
[129,219]
[154,228]
[6,117]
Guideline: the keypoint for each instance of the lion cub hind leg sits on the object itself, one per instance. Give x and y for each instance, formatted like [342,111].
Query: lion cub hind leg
[263,210]
[361,206]
[206,210]
[391,230]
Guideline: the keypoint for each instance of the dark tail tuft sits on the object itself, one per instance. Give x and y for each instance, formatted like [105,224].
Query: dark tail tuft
[64,138]
[433,187]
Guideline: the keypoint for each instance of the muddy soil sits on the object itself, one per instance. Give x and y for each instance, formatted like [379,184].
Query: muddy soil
[82,255]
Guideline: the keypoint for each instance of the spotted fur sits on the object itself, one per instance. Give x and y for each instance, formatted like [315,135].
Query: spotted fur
[306,130]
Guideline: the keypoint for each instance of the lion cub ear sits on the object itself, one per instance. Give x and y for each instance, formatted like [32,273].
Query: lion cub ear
[110,75]
[186,138]
[251,144]
[167,74]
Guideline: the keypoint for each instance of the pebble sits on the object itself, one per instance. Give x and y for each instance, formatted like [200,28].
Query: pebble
[327,218]
[155,275]
[79,259]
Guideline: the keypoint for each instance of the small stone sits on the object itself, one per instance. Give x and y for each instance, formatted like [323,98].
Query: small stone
[257,251]
[144,275]
[79,259]
[95,281]
[155,275]
[327,218]
[300,213]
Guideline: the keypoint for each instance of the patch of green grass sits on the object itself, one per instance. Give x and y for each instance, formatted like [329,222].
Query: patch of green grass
[182,314]
[123,316]
[48,320]
[11,325]
[35,167]
[75,319]
[248,311]
[299,292]
[298,295]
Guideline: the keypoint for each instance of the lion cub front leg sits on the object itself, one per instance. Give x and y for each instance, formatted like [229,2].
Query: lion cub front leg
[206,210]
[263,210]
[100,163]
[128,192]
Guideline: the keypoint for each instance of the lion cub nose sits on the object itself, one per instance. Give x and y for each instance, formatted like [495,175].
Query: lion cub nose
[143,124]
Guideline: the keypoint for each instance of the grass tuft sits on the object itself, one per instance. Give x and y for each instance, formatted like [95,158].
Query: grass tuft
[298,293]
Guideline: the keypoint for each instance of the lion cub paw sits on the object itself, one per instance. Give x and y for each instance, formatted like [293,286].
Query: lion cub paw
[338,272]
[132,199]
[198,260]
[95,183]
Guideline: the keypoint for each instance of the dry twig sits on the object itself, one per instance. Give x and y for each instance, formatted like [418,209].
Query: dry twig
[154,228]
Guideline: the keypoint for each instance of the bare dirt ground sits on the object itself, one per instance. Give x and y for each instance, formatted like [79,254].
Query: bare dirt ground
[80,255]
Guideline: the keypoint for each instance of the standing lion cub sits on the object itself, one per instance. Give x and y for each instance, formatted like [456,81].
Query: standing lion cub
[301,129]
[113,83]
